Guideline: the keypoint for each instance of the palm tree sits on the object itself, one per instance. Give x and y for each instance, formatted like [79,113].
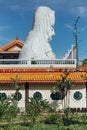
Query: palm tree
[64,85]
[35,108]
[15,84]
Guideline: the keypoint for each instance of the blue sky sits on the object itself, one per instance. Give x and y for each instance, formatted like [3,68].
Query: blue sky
[16,18]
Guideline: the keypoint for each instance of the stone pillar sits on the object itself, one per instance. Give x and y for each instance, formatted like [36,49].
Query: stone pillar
[26,94]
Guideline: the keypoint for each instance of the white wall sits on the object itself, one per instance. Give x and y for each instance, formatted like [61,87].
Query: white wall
[8,89]
[46,89]
[80,103]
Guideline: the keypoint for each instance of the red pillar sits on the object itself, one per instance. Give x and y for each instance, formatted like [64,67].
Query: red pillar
[26,94]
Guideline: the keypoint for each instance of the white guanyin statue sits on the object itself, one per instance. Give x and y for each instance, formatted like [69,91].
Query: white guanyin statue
[37,44]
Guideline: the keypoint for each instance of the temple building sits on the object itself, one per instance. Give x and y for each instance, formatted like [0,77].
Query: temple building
[38,78]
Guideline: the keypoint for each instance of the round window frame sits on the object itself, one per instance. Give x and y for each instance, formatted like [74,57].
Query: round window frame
[55,96]
[80,98]
[3,94]
[35,93]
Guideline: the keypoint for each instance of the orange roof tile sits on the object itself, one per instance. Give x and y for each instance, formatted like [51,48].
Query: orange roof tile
[8,47]
[39,76]
[83,68]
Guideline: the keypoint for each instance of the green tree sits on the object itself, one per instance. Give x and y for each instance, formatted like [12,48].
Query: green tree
[8,110]
[64,85]
[3,107]
[35,108]
[11,111]
[84,62]
[15,85]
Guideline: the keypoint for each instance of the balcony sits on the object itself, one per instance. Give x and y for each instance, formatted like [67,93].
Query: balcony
[37,63]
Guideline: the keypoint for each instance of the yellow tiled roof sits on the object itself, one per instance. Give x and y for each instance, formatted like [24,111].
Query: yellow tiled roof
[36,76]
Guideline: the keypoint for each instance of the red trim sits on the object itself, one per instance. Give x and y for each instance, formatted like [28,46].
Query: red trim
[39,81]
[23,70]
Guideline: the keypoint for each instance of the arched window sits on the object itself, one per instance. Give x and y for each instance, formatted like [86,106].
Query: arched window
[3,96]
[77,95]
[37,95]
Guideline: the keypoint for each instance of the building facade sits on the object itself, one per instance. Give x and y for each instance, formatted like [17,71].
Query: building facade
[39,78]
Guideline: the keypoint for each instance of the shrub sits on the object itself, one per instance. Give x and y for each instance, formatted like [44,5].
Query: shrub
[67,119]
[54,119]
[3,106]
[12,111]
[35,108]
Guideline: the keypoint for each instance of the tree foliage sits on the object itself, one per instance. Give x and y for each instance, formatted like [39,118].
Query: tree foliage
[84,62]
[16,86]
[8,109]
[64,85]
[35,108]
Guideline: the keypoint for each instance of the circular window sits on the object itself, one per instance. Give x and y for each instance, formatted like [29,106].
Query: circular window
[37,95]
[55,96]
[3,96]
[17,96]
[77,95]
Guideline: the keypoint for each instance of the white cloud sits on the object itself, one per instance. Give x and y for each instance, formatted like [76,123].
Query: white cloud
[3,28]
[26,5]
[82,29]
[69,26]
[14,7]
[4,40]
[81,10]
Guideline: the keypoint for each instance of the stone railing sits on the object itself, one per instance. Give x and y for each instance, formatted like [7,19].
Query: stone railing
[25,62]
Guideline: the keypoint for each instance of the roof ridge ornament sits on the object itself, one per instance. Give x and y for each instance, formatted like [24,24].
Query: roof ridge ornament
[17,37]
